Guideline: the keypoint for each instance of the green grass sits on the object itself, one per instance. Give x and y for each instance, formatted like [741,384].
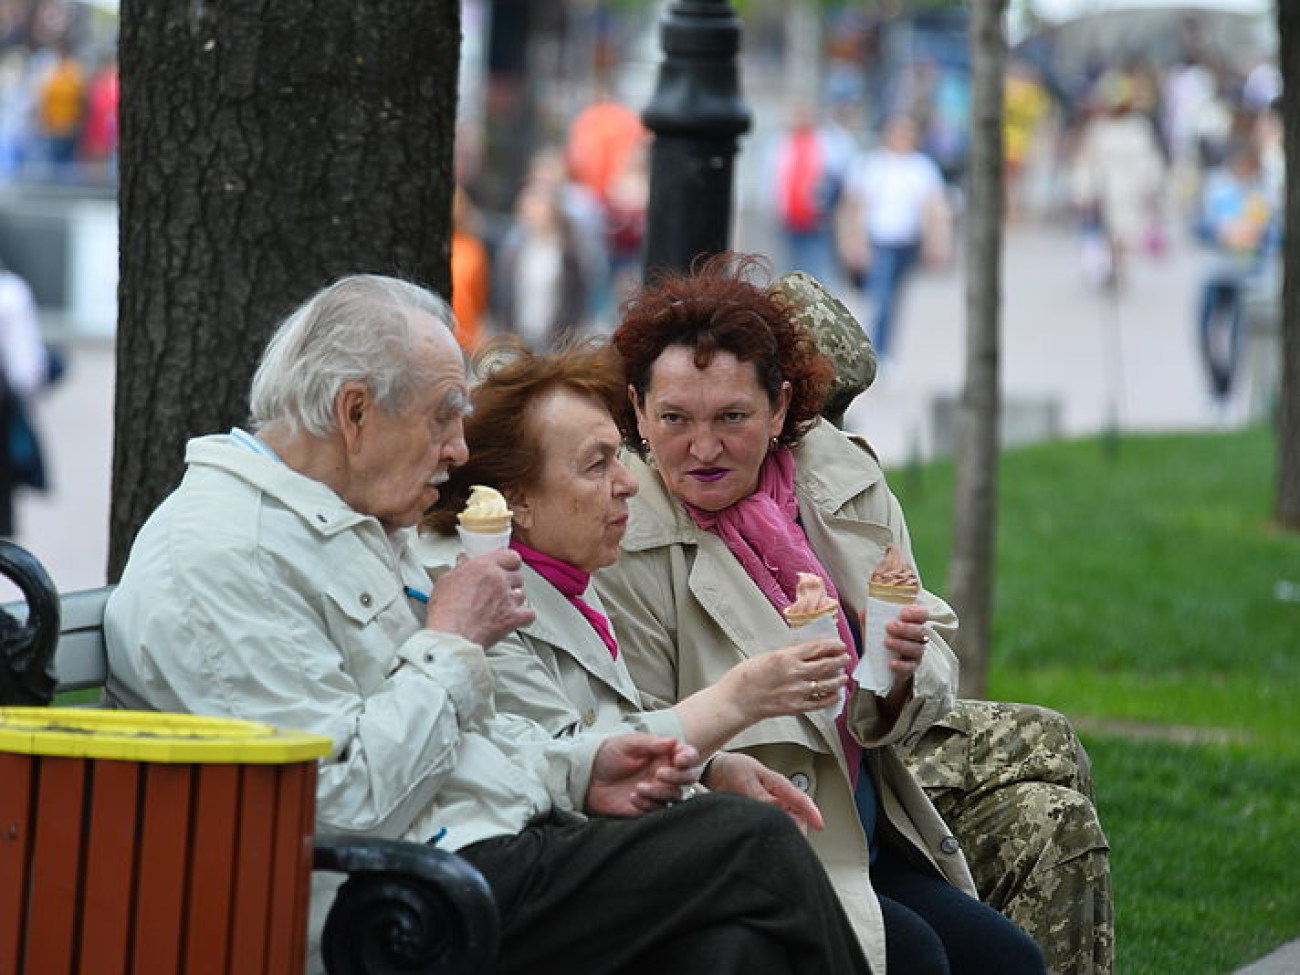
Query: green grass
[1135,593]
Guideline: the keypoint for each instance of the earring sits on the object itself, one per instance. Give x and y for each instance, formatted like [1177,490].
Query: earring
[776,442]
[645,445]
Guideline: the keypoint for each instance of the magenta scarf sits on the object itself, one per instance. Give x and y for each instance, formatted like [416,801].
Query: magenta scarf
[571,583]
[763,533]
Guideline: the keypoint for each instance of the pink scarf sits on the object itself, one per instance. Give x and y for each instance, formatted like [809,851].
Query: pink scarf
[571,583]
[763,533]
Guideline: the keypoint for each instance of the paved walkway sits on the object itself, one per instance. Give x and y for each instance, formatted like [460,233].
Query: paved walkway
[1284,961]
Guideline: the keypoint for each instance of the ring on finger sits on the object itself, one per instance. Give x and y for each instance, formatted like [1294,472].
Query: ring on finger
[814,691]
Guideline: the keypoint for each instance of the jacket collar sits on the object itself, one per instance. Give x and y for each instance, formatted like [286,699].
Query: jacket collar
[309,499]
[561,625]
[558,623]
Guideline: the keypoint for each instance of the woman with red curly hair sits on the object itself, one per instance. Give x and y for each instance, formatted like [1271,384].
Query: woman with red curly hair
[742,489]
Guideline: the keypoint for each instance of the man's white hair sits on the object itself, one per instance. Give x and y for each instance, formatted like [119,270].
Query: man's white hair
[356,330]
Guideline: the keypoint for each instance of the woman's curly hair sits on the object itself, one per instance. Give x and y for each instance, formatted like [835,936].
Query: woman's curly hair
[719,307]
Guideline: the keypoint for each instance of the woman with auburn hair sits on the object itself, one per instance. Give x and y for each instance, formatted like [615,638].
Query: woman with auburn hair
[743,489]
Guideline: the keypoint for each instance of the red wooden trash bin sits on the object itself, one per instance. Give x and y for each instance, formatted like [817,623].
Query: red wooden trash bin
[153,843]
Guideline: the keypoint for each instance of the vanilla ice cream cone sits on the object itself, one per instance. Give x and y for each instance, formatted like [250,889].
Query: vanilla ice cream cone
[484,525]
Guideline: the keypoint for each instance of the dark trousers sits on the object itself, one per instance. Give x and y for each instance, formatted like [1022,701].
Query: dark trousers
[1220,331]
[891,264]
[932,928]
[716,885]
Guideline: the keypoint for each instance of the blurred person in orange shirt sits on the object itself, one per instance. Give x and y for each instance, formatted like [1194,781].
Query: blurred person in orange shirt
[60,106]
[470,273]
[602,142]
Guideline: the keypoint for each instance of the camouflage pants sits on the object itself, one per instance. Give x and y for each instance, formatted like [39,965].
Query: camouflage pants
[1015,785]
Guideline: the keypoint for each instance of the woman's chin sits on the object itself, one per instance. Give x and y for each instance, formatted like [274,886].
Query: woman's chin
[707,500]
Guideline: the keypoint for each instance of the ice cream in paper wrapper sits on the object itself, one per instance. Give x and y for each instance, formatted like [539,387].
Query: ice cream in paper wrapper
[813,616]
[892,586]
[484,525]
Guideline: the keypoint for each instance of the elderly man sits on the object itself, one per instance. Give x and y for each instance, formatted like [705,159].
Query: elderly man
[275,584]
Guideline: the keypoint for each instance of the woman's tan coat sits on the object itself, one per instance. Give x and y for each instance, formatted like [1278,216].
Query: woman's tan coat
[685,612]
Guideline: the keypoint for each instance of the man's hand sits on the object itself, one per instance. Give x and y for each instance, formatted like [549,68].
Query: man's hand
[744,775]
[635,774]
[481,599]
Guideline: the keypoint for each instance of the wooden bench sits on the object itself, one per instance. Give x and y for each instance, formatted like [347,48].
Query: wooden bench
[405,907]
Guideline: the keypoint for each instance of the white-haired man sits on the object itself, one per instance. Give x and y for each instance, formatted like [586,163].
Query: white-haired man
[275,584]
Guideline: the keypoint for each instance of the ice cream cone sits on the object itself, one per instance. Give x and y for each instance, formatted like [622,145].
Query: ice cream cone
[484,525]
[892,586]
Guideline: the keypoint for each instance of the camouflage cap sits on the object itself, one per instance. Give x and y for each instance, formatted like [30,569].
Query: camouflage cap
[838,335]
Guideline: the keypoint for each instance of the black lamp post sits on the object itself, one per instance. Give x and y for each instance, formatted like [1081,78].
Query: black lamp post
[697,116]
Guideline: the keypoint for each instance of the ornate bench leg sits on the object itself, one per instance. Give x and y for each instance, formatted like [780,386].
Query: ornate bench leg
[406,908]
[27,649]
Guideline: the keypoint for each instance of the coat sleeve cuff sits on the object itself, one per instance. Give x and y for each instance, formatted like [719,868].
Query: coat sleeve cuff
[457,665]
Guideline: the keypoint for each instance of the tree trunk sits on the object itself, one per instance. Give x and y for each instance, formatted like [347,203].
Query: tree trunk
[267,148]
[1287,510]
[971,570]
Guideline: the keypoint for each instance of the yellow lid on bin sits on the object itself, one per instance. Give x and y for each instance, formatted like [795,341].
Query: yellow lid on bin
[147,736]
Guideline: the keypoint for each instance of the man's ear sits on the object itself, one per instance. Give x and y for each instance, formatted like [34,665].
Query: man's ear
[352,409]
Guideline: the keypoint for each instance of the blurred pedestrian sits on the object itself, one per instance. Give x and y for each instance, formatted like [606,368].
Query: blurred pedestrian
[1026,104]
[1117,178]
[540,292]
[470,273]
[893,216]
[24,369]
[808,164]
[1240,223]
[99,131]
[60,109]
[549,167]
[606,154]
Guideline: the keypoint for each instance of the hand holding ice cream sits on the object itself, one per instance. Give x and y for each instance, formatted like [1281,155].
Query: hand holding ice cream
[814,614]
[893,585]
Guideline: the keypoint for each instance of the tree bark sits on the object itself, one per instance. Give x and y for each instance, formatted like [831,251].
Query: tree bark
[268,147]
[1287,508]
[971,569]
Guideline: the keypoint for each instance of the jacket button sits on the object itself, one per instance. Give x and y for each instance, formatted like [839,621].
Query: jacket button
[801,781]
[949,845]
[366,600]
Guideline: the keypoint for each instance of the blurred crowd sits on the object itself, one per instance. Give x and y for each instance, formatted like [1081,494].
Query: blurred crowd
[861,182]
[1139,154]
[58,94]
[571,246]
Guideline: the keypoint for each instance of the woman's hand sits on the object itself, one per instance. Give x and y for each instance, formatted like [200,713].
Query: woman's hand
[744,775]
[906,638]
[794,679]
